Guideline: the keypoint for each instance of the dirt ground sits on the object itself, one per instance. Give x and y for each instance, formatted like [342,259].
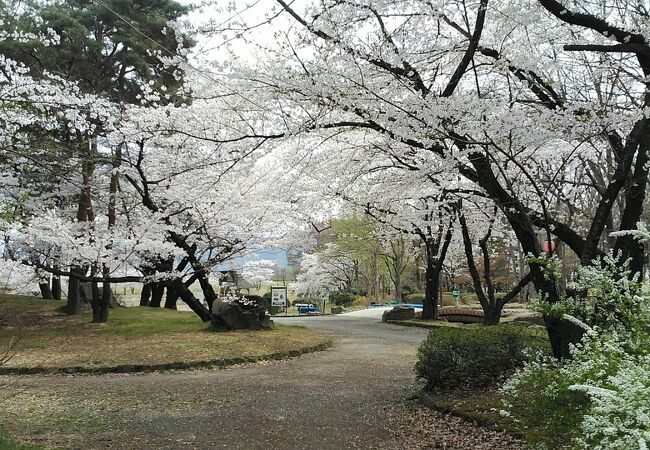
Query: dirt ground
[351,396]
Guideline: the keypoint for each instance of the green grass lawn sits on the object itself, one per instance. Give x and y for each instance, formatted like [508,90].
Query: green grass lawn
[9,444]
[44,337]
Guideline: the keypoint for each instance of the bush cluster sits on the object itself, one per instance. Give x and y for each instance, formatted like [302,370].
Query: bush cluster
[341,298]
[414,298]
[477,356]
[598,399]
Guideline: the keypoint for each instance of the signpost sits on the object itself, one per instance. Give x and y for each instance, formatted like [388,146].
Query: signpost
[279,297]
[324,296]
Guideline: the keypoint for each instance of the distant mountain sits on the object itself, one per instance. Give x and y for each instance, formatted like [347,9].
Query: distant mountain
[237,262]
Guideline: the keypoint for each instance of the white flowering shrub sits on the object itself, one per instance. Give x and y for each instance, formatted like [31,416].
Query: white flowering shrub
[619,416]
[237,298]
[16,278]
[600,398]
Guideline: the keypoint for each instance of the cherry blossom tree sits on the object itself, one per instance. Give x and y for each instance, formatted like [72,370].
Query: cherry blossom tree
[259,272]
[492,91]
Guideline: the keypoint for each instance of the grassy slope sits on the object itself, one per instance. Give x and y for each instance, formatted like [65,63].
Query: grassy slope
[46,338]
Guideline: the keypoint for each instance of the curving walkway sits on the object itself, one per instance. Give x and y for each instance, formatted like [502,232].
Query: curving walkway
[351,396]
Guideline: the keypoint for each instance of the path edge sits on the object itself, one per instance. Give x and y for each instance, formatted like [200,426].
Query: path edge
[180,365]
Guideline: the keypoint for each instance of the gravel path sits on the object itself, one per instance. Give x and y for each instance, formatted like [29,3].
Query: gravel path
[351,396]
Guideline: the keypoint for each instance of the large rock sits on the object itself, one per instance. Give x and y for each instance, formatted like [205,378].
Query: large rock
[398,313]
[239,314]
[264,302]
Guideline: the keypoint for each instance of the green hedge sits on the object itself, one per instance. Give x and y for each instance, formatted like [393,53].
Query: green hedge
[414,298]
[341,298]
[475,356]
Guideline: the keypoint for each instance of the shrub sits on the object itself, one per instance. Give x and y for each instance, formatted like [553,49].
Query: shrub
[599,398]
[361,300]
[478,356]
[414,298]
[407,289]
[341,298]
[305,301]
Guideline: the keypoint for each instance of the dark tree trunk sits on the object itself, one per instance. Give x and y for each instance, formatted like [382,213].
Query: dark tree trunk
[191,301]
[626,246]
[74,295]
[521,224]
[145,295]
[96,301]
[430,303]
[46,292]
[171,298]
[56,287]
[157,292]
[105,301]
[208,291]
[398,287]
[492,314]
[562,334]
[436,251]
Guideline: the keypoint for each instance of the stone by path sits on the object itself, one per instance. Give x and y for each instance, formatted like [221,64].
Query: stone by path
[352,396]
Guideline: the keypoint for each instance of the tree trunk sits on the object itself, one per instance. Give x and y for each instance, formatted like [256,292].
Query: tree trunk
[492,314]
[46,292]
[398,286]
[84,214]
[626,246]
[562,334]
[74,296]
[191,301]
[208,291]
[436,251]
[521,225]
[430,303]
[375,275]
[171,298]
[145,295]
[56,287]
[105,302]
[157,291]
[96,301]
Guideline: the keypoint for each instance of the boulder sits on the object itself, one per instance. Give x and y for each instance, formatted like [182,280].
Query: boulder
[264,302]
[398,313]
[239,314]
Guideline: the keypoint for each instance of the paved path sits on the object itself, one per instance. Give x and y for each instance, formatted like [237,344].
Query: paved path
[346,397]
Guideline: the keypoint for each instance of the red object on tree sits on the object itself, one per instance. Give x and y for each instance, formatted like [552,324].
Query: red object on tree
[549,246]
